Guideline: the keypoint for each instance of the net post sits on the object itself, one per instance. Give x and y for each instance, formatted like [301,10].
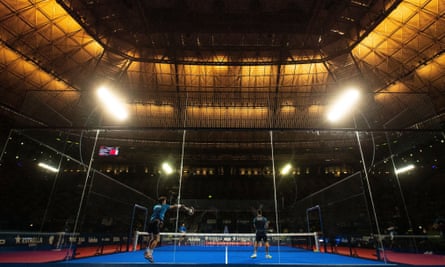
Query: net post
[317,244]
[136,206]
[135,241]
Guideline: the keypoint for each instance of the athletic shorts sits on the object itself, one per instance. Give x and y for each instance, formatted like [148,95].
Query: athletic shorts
[155,226]
[261,236]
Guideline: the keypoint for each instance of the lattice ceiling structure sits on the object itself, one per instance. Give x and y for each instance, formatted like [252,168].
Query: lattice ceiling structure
[218,67]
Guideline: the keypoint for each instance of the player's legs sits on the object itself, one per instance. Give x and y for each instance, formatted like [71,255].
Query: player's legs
[154,229]
[148,254]
[151,245]
[266,246]
[263,238]
[255,247]
[154,242]
[182,240]
[148,250]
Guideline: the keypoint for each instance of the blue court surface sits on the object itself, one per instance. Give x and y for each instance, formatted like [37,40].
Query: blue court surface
[196,255]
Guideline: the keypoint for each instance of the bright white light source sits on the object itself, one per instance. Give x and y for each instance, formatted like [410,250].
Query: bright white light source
[167,168]
[405,169]
[343,105]
[113,105]
[47,167]
[285,170]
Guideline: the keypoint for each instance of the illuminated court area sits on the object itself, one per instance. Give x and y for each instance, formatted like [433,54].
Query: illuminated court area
[232,256]
[320,123]
[209,249]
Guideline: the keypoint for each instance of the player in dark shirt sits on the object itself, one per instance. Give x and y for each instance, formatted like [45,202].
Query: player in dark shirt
[260,223]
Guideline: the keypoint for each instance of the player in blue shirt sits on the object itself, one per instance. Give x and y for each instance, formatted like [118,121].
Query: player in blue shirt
[183,230]
[156,223]
[260,223]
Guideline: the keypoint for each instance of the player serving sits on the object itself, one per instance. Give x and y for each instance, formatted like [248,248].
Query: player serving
[156,223]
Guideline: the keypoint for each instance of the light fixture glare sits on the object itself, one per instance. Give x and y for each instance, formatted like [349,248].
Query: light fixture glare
[47,167]
[113,105]
[404,169]
[343,105]
[286,169]
[167,168]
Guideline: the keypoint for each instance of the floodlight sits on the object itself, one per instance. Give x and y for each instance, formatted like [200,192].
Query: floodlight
[343,105]
[285,170]
[113,105]
[47,167]
[167,168]
[404,169]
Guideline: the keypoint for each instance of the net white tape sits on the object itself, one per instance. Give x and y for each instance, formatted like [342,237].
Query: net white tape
[230,239]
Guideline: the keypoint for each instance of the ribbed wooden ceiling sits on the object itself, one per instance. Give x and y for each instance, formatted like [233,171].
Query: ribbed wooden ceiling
[220,66]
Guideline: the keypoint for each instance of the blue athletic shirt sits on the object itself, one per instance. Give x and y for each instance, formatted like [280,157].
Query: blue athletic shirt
[159,212]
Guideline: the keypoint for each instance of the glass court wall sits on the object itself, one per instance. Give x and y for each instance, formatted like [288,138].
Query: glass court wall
[351,193]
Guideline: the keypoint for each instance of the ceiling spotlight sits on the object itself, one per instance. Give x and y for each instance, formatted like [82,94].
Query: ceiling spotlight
[343,105]
[404,169]
[167,168]
[47,167]
[286,169]
[112,103]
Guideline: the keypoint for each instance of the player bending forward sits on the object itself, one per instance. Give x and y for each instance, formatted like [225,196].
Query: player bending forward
[260,224]
[156,223]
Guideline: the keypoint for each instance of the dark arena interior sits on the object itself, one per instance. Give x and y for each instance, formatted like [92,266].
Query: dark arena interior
[327,115]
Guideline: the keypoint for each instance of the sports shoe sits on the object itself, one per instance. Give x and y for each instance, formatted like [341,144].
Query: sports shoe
[148,257]
[253,256]
[268,256]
